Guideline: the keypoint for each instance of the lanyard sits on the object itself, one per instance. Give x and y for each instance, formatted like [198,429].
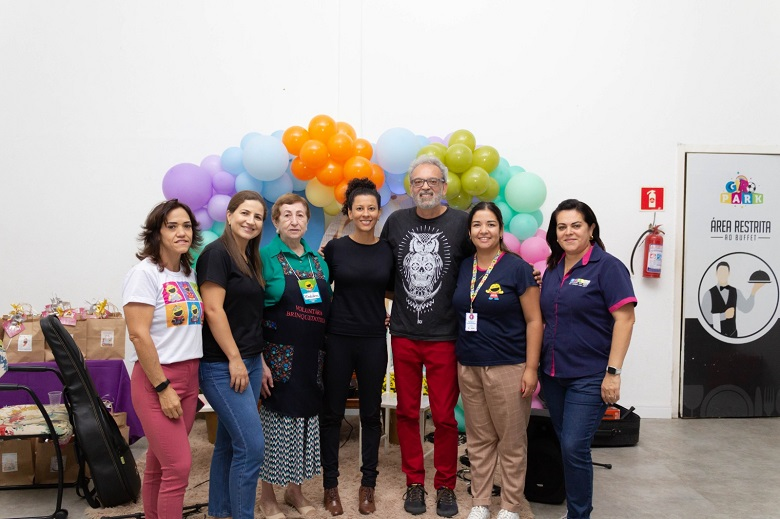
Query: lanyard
[473,291]
[311,267]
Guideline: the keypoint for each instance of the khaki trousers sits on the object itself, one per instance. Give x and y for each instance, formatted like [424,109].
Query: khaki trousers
[496,421]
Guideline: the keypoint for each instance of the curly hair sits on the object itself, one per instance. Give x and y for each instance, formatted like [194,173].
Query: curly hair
[356,187]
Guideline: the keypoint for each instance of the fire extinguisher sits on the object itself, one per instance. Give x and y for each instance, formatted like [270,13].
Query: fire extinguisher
[654,247]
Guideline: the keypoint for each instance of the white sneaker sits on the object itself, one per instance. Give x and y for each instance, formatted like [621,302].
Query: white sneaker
[506,514]
[479,512]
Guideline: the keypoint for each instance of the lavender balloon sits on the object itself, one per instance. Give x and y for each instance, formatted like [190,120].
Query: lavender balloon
[223,183]
[217,207]
[189,183]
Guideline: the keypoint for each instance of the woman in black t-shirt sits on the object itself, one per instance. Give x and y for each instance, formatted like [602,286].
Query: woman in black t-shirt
[361,267]
[230,276]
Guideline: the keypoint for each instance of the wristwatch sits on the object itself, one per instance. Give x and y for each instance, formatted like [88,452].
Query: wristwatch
[162,385]
[613,370]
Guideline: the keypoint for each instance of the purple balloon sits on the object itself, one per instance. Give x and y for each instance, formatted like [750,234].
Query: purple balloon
[223,183]
[204,220]
[434,139]
[212,163]
[189,183]
[217,207]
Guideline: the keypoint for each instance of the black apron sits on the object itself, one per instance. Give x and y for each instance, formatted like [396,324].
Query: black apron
[294,334]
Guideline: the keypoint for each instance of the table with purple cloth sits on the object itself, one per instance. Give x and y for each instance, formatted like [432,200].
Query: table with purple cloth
[111,382]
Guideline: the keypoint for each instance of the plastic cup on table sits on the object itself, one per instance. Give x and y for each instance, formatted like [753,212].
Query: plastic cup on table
[55,397]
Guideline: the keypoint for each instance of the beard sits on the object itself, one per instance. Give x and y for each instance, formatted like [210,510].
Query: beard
[427,203]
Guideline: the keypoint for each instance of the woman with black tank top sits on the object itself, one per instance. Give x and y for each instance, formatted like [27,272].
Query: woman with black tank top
[361,268]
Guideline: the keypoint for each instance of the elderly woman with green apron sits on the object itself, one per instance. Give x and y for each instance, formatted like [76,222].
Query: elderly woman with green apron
[297,300]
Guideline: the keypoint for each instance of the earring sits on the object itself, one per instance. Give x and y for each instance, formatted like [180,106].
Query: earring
[591,237]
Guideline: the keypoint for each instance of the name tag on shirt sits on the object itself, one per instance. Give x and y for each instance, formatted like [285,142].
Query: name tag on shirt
[579,282]
[471,322]
[310,291]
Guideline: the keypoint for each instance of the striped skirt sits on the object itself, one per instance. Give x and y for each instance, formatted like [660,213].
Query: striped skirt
[292,448]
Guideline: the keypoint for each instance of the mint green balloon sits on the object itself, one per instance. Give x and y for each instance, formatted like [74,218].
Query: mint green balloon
[458,158]
[538,216]
[523,226]
[504,172]
[525,192]
[506,212]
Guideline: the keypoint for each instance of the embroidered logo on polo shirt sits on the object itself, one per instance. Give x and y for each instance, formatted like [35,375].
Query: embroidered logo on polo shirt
[579,282]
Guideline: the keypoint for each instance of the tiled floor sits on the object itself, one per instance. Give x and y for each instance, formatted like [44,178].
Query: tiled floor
[683,469]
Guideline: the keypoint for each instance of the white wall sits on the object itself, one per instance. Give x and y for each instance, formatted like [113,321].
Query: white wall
[98,99]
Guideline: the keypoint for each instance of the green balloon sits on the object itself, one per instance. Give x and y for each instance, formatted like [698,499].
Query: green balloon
[462,201]
[486,157]
[525,192]
[538,216]
[463,137]
[474,181]
[432,149]
[506,212]
[503,172]
[458,158]
[491,192]
[453,185]
[523,226]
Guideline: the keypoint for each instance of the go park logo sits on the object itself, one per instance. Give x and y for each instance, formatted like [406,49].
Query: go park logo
[741,191]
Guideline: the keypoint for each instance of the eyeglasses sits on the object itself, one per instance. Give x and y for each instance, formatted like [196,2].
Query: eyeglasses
[432,182]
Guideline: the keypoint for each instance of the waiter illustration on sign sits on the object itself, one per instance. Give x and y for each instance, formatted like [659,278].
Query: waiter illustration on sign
[720,303]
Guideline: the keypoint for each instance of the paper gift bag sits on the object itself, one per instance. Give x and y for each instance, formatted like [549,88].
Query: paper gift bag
[46,466]
[106,338]
[16,462]
[27,345]
[79,334]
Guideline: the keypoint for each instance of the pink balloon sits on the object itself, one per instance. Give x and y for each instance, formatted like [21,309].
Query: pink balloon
[512,242]
[541,233]
[534,249]
[189,183]
[536,402]
[541,266]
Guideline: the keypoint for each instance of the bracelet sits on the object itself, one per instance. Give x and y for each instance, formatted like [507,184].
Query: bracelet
[161,387]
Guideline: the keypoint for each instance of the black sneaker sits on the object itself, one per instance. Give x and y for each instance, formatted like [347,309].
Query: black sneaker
[446,503]
[414,499]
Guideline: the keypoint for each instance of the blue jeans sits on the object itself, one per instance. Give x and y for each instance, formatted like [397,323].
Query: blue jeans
[239,447]
[576,409]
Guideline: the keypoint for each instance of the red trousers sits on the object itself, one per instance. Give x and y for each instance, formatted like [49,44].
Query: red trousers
[409,356]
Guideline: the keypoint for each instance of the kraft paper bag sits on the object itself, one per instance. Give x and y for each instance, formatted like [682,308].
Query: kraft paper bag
[16,462]
[79,334]
[106,338]
[46,462]
[27,345]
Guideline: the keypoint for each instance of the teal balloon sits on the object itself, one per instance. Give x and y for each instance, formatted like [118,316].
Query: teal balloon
[460,416]
[506,212]
[538,216]
[218,228]
[503,172]
[525,192]
[523,226]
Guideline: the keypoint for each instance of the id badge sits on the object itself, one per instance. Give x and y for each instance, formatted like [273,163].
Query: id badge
[471,322]
[311,294]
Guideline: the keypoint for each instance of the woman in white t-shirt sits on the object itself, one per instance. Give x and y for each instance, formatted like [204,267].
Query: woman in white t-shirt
[164,319]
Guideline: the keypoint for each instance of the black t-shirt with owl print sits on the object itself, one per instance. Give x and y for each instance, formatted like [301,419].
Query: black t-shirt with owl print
[243,303]
[428,253]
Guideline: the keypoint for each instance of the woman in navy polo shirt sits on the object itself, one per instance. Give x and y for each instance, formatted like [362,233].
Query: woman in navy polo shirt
[588,307]
[499,340]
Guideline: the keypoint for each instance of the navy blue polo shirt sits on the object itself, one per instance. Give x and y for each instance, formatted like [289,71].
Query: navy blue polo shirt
[577,310]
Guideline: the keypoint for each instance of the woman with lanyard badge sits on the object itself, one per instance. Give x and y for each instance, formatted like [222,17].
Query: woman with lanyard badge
[498,348]
[297,300]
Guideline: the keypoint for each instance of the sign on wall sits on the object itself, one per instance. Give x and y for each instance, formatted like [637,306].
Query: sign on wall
[731,335]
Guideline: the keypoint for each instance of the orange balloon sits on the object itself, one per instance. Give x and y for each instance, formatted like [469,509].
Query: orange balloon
[293,138]
[340,191]
[321,127]
[341,147]
[314,154]
[331,173]
[301,171]
[357,167]
[377,175]
[342,127]
[363,148]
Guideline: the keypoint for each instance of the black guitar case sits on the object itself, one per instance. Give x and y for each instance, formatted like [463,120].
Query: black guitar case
[111,463]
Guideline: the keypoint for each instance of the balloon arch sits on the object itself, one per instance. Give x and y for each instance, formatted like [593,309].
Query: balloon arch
[317,162]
